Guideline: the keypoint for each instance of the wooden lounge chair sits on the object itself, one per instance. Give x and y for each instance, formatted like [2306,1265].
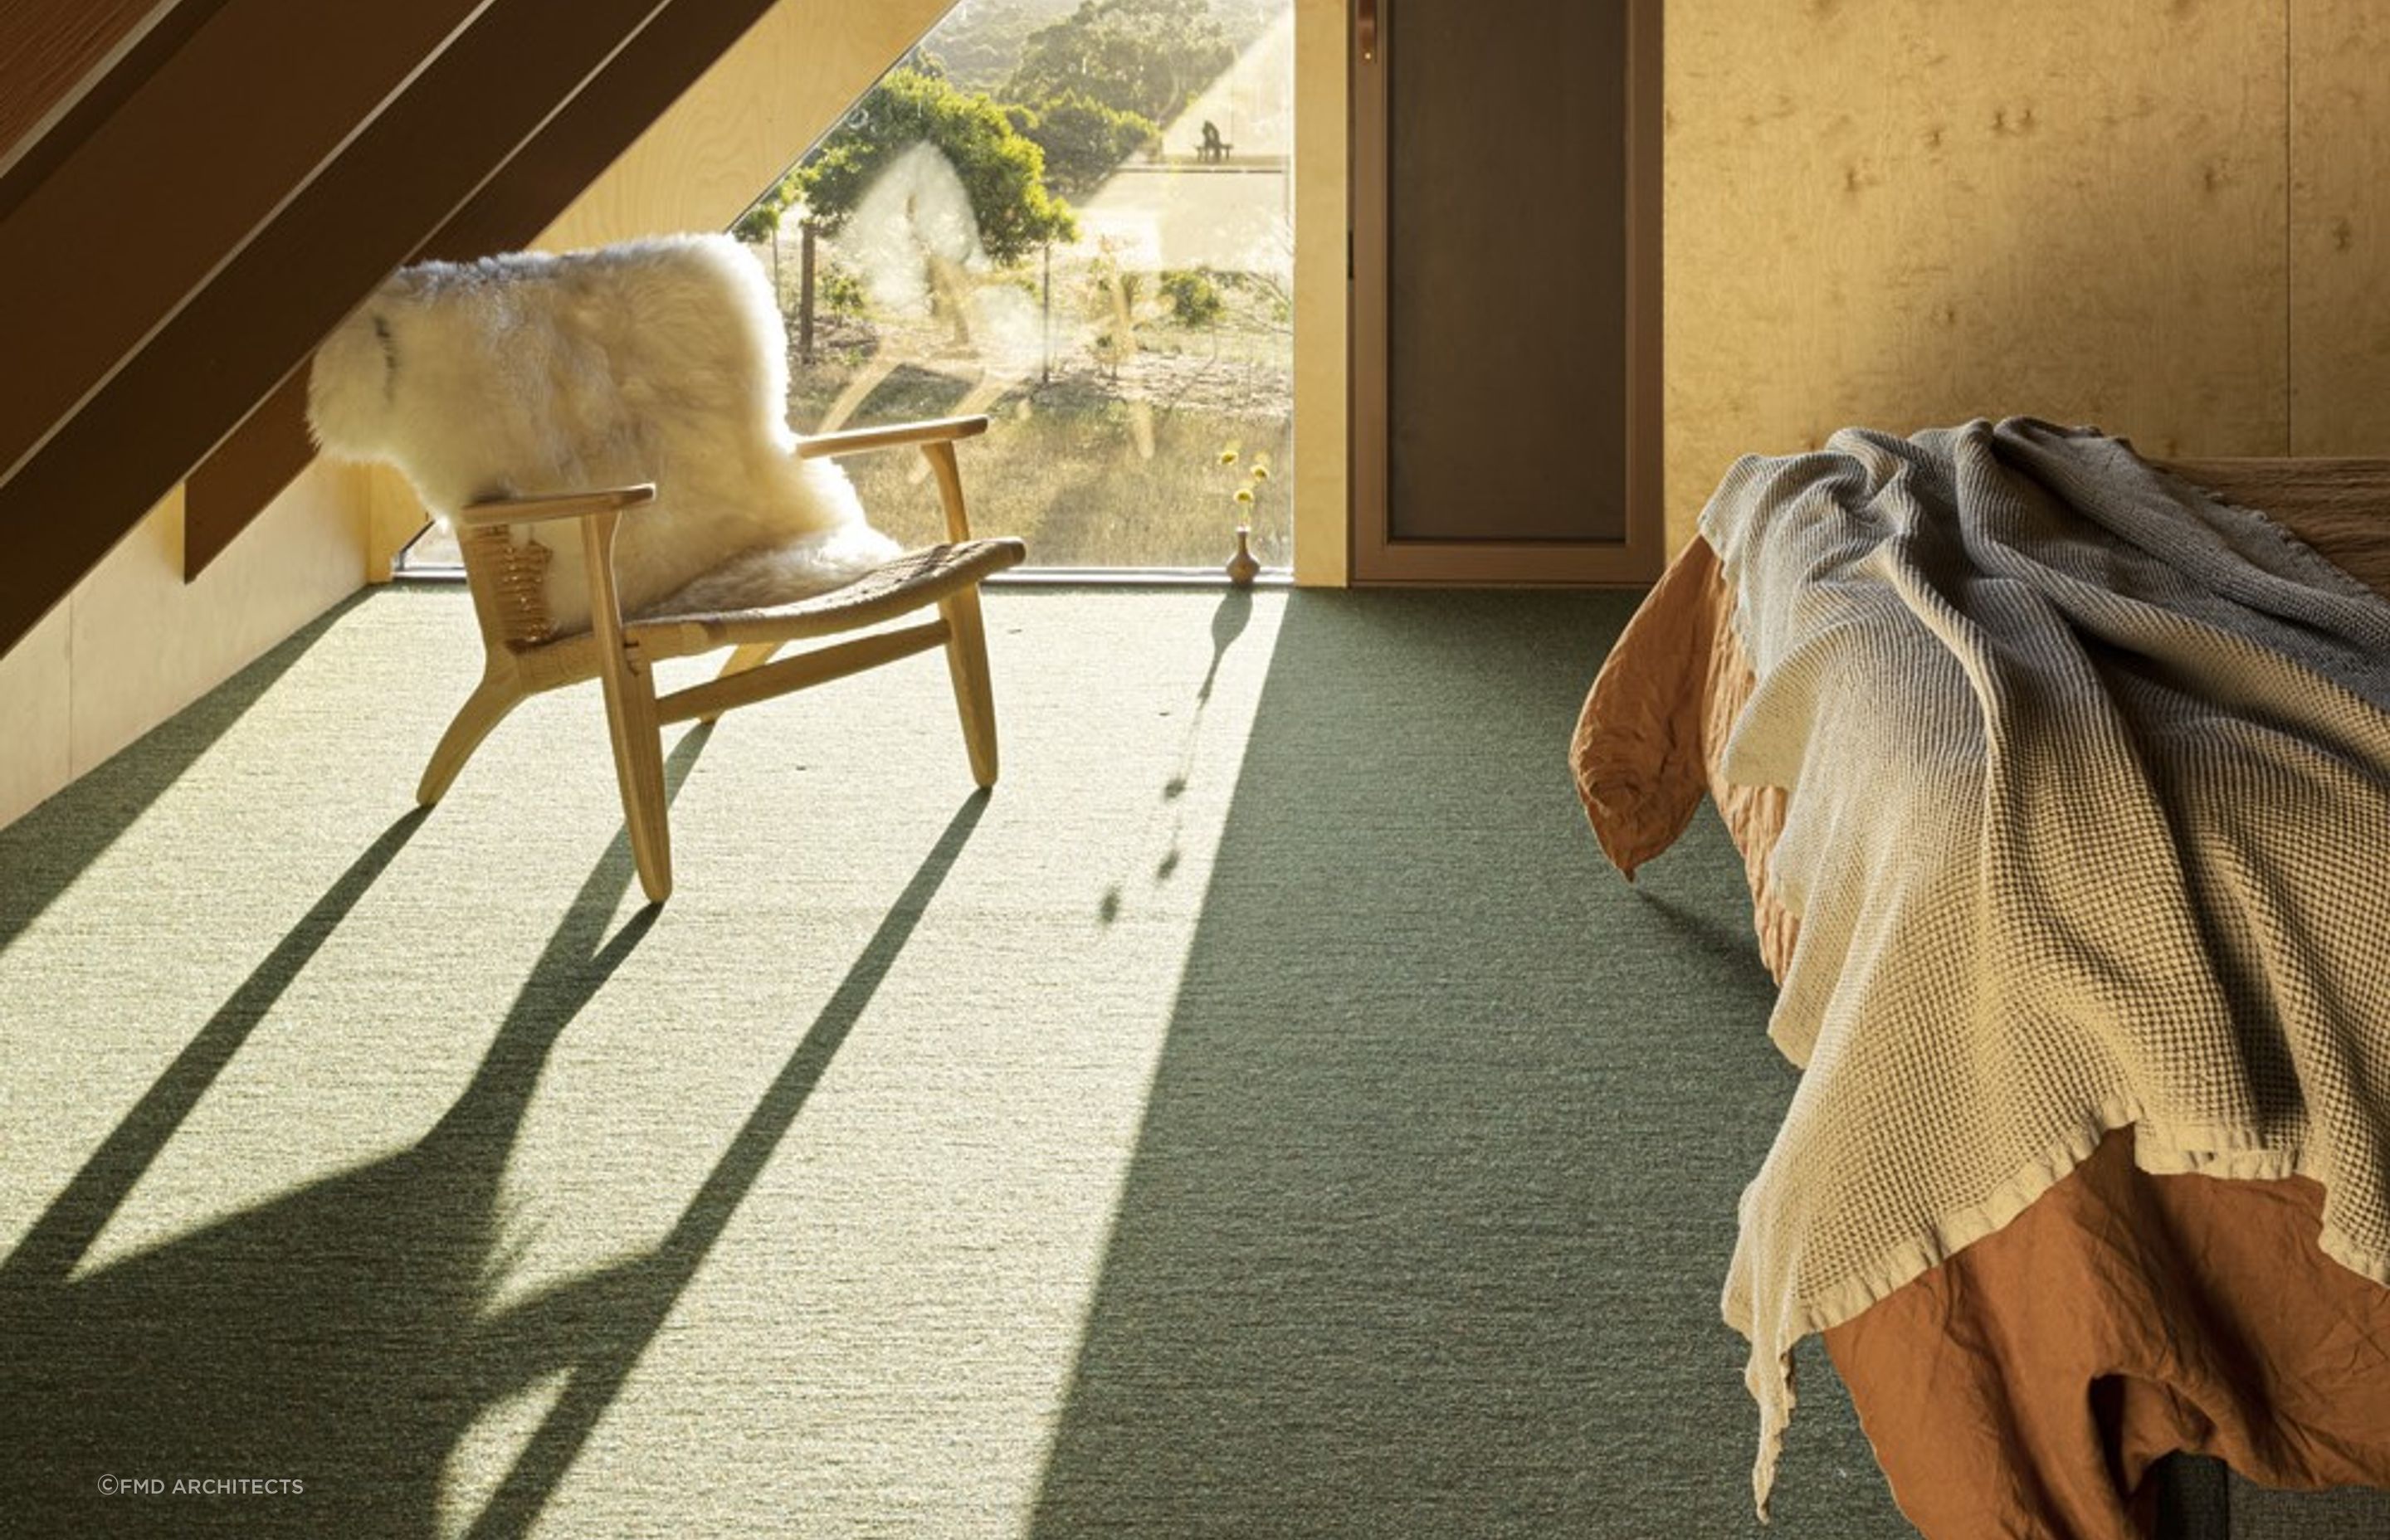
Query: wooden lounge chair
[526,655]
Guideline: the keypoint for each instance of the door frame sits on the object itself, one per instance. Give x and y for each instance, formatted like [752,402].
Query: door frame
[1376,558]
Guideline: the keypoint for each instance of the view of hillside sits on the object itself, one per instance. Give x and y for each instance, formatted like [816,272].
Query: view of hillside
[981,41]
[1076,216]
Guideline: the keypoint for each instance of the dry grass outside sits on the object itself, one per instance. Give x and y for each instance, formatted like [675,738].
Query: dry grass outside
[1087,477]
[1107,438]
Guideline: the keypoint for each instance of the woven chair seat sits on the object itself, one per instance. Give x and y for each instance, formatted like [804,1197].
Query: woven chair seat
[909,582]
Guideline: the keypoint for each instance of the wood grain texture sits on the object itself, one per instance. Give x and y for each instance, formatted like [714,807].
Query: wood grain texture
[572,148]
[1321,377]
[458,118]
[96,275]
[46,49]
[2340,227]
[35,686]
[1900,213]
[524,656]
[133,644]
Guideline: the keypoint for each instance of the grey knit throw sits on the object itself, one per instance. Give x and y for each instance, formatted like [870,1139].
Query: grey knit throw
[2090,801]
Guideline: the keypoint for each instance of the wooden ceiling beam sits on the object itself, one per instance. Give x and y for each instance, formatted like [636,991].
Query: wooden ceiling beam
[54,53]
[418,164]
[192,165]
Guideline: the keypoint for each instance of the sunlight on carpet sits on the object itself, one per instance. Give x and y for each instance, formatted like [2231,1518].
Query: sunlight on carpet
[1261,1114]
[480,990]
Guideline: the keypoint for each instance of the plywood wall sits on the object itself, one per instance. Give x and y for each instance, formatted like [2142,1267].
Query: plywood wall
[2166,219]
[132,644]
[36,690]
[2340,226]
[145,642]
[1321,533]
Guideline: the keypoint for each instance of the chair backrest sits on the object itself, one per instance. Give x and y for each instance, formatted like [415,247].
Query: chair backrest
[660,361]
[508,578]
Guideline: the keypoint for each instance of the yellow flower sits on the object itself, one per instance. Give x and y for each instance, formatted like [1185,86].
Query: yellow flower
[1228,457]
[1244,494]
[1260,473]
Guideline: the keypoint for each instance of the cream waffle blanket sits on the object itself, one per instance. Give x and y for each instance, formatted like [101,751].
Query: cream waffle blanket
[2088,827]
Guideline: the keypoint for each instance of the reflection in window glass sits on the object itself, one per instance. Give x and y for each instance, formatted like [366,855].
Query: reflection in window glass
[1076,218]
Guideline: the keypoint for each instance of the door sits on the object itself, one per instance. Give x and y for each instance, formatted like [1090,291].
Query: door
[1504,291]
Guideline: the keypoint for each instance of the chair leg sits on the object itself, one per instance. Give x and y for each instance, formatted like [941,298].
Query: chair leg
[483,710]
[751,655]
[974,696]
[639,769]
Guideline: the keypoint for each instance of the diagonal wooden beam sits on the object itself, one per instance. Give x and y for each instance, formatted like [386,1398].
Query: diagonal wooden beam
[416,166]
[114,79]
[246,471]
[51,51]
[270,447]
[130,224]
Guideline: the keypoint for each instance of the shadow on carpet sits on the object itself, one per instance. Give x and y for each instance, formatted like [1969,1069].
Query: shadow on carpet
[1436,1188]
[344,1334]
[43,856]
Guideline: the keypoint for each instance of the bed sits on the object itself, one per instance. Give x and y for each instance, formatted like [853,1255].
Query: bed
[2024,1377]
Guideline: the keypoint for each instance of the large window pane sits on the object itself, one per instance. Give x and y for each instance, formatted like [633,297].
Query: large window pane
[1077,219]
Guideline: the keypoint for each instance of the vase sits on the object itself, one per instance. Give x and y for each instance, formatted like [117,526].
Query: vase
[1242,568]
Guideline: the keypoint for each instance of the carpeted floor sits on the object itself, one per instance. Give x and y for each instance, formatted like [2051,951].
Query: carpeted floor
[1264,1115]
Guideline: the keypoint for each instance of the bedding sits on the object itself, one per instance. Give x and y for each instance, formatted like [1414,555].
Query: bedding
[1656,733]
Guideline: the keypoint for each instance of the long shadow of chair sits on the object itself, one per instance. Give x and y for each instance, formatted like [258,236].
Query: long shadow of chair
[342,1336]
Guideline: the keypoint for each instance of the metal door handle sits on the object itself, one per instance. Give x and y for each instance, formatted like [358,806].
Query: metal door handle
[1368,29]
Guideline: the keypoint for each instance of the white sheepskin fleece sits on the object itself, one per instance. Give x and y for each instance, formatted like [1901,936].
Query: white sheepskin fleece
[662,360]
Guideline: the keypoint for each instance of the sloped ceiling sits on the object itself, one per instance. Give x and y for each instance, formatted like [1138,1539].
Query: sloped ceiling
[172,262]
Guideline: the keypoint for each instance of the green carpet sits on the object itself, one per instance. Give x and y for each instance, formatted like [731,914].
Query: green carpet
[1264,1115]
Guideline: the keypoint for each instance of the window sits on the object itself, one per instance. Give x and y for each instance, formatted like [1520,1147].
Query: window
[1079,219]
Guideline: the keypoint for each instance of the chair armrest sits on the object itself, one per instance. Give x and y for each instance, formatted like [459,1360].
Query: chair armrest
[854,441]
[553,505]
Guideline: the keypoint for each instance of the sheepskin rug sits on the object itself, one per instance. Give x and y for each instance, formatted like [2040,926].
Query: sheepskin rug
[662,360]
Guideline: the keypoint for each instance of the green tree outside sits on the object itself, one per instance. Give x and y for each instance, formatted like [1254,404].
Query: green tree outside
[1085,140]
[1002,169]
[1145,57]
